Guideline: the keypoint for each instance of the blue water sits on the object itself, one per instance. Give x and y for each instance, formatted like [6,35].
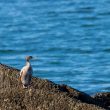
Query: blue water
[69,38]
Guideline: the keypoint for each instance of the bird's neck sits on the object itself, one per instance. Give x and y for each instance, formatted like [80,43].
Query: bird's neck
[28,63]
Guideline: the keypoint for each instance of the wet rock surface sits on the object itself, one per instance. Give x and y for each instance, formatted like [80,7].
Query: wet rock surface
[42,95]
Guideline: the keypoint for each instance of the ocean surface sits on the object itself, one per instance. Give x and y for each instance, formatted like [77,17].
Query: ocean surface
[70,40]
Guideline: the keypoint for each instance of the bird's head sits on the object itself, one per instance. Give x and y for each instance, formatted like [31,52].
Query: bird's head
[28,58]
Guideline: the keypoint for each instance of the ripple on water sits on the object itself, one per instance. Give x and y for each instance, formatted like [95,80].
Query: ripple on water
[70,39]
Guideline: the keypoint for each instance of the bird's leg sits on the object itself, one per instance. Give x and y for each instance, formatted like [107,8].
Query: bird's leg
[24,86]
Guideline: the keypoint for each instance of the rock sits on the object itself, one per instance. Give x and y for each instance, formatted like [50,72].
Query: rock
[103,99]
[42,95]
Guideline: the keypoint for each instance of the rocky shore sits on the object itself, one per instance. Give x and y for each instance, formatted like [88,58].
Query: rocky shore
[45,95]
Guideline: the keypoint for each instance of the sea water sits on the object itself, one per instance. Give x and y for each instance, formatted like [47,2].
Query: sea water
[70,40]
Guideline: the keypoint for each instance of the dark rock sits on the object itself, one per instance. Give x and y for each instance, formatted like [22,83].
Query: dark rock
[103,99]
[42,95]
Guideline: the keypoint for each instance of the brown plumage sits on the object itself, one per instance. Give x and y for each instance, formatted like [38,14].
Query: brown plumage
[26,73]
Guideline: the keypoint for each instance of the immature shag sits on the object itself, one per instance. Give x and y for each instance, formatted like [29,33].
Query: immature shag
[26,73]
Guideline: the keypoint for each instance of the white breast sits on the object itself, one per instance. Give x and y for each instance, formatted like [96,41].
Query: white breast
[26,74]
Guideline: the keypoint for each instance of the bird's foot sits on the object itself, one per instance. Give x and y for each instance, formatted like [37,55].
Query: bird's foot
[25,87]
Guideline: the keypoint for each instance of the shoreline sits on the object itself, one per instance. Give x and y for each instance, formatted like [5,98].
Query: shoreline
[45,95]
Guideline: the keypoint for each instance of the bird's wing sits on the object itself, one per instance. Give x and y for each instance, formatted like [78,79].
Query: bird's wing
[30,71]
[22,70]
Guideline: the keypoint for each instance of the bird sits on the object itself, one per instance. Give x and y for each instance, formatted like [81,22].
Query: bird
[26,73]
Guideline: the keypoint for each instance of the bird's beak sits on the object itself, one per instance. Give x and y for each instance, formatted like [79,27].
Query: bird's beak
[34,58]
